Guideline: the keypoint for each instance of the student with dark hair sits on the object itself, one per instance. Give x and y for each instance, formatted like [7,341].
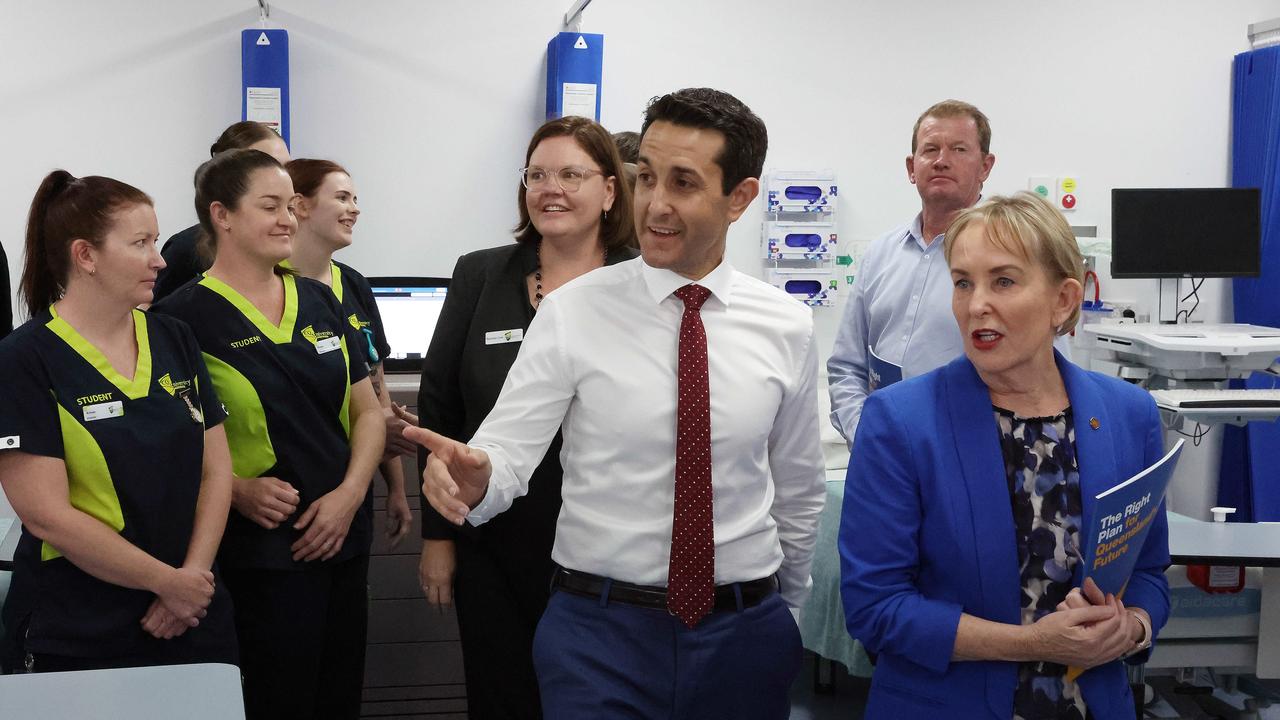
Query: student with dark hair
[685,394]
[575,217]
[112,449]
[183,261]
[327,211]
[305,432]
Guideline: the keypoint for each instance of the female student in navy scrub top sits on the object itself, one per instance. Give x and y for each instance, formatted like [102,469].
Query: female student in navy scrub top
[575,216]
[111,448]
[305,432]
[327,212]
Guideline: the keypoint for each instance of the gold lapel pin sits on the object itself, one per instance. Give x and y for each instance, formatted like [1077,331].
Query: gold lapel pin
[1093,423]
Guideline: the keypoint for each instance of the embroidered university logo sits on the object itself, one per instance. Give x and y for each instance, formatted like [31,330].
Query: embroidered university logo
[172,386]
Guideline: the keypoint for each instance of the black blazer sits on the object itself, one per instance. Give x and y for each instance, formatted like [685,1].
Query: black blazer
[6,297]
[462,376]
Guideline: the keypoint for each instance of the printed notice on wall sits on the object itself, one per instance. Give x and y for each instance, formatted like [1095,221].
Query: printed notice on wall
[262,105]
[578,99]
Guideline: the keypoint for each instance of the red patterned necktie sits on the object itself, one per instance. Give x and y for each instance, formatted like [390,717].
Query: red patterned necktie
[691,577]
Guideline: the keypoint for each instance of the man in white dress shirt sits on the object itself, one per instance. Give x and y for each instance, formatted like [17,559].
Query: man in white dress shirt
[693,478]
[901,301]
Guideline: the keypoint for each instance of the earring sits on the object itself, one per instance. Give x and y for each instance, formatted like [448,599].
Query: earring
[93,271]
[606,214]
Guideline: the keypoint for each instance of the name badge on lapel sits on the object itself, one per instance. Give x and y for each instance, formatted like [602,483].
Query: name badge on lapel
[328,344]
[103,410]
[499,337]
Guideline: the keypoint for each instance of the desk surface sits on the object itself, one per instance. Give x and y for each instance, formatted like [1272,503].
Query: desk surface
[195,692]
[404,383]
[1196,541]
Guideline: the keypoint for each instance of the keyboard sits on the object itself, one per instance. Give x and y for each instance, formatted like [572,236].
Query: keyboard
[1244,398]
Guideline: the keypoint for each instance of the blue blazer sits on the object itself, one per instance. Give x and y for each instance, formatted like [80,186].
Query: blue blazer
[927,533]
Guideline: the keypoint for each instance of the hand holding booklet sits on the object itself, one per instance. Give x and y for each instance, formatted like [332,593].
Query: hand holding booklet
[1118,526]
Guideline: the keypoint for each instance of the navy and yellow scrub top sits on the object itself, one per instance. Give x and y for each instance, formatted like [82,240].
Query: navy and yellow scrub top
[134,455]
[361,311]
[287,390]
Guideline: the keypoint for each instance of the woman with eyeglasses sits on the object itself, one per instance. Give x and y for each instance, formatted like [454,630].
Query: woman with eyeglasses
[575,216]
[327,211]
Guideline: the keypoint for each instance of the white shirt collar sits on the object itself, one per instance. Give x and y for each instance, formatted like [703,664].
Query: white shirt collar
[661,283]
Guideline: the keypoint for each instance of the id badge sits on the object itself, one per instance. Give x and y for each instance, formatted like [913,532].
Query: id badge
[102,411]
[500,337]
[328,344]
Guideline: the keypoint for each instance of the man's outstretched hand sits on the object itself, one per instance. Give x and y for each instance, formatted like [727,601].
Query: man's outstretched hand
[456,477]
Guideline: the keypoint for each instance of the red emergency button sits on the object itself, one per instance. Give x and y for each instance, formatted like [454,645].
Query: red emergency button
[1068,201]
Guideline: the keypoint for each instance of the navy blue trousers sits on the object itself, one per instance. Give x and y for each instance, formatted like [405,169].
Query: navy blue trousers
[302,639]
[596,660]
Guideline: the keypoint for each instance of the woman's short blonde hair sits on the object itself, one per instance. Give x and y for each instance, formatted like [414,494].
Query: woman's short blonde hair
[1024,224]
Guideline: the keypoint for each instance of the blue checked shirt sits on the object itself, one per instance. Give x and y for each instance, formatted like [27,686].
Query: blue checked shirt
[901,306]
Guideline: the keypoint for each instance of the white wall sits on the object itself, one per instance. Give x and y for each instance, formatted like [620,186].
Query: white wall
[430,103]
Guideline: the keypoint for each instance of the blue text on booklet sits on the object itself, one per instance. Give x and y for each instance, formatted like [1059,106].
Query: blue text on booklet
[1120,521]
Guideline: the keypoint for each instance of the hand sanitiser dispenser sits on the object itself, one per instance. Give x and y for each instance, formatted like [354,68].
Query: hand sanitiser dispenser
[264,71]
[574,64]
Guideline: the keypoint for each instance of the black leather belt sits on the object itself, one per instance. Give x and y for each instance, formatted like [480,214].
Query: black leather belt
[753,592]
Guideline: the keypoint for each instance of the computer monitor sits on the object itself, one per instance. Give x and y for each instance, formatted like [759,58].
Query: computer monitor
[1186,232]
[410,307]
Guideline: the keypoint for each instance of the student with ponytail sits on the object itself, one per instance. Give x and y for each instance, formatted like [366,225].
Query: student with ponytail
[306,433]
[111,449]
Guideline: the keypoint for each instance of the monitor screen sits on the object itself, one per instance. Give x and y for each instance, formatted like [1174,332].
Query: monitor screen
[410,307]
[1189,232]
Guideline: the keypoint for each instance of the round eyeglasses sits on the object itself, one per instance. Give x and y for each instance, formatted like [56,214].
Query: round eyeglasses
[568,179]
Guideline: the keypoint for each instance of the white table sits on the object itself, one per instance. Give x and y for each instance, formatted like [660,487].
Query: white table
[193,692]
[1250,544]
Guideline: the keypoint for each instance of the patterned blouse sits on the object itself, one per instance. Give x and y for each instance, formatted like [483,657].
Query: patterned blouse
[1044,487]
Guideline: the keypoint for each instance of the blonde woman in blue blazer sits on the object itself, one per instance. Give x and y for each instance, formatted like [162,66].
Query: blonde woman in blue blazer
[968,489]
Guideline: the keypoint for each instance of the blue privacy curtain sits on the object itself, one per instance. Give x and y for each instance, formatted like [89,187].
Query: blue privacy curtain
[1250,472]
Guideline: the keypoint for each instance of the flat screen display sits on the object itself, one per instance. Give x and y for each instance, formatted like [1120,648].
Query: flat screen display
[410,307]
[1185,232]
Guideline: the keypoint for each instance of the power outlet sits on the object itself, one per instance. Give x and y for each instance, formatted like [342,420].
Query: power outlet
[1120,306]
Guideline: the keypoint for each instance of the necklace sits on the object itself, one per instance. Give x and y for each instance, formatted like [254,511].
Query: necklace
[537,274]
